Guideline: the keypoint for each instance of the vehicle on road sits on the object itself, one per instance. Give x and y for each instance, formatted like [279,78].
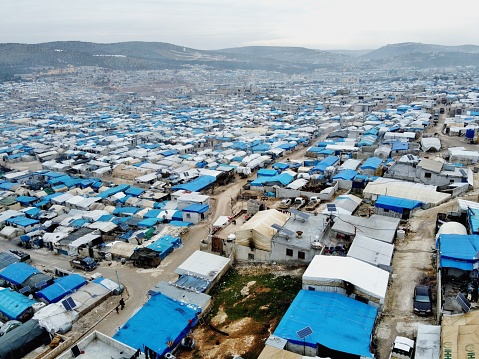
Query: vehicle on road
[422,300]
[85,263]
[402,348]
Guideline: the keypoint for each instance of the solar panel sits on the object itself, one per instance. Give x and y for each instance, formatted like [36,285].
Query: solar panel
[140,235]
[331,207]
[463,302]
[463,172]
[25,289]
[68,303]
[303,333]
[299,213]
[41,284]
[124,226]
[281,229]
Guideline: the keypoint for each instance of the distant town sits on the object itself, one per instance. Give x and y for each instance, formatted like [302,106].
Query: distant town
[139,208]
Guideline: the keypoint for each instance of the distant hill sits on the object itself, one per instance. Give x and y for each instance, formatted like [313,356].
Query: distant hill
[406,48]
[137,55]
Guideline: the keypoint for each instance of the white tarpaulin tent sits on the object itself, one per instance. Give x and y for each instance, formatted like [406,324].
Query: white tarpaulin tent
[329,273]
[54,316]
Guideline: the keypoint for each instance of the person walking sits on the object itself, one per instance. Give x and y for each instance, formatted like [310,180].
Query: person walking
[117,311]
[122,303]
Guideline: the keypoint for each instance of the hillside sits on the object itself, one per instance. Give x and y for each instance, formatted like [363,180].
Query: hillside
[24,58]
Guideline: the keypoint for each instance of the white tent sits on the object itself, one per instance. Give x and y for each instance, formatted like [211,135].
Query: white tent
[331,273]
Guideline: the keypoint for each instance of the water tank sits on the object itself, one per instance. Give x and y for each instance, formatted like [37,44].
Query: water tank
[470,133]
[108,256]
[65,328]
[203,246]
[400,234]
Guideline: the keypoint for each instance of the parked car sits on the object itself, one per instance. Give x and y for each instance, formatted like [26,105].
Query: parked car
[422,300]
[402,348]
[285,203]
[85,263]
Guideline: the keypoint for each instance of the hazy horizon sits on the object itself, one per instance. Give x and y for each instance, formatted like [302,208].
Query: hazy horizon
[219,24]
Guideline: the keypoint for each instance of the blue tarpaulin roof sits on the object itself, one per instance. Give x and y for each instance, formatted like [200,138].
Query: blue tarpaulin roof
[347,175]
[283,179]
[372,163]
[26,199]
[134,191]
[325,163]
[473,215]
[148,222]
[14,304]
[458,251]
[111,191]
[161,321]
[61,288]
[17,273]
[196,185]
[400,146]
[281,166]
[165,245]
[196,208]
[396,204]
[264,172]
[22,221]
[338,322]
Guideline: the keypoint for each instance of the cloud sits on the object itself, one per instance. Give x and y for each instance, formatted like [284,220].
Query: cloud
[215,24]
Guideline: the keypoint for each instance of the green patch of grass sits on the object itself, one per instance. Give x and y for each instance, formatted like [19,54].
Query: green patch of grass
[267,301]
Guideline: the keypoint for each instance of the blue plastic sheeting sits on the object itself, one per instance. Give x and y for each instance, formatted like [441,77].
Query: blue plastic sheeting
[280,166]
[400,146]
[134,191]
[148,222]
[193,283]
[61,288]
[338,322]
[264,172]
[106,218]
[152,213]
[7,185]
[26,199]
[111,191]
[473,215]
[458,251]
[165,245]
[347,175]
[161,321]
[396,204]
[32,211]
[180,224]
[325,163]
[196,185]
[372,163]
[78,223]
[17,273]
[260,148]
[22,221]
[282,179]
[177,216]
[14,304]
[126,211]
[196,208]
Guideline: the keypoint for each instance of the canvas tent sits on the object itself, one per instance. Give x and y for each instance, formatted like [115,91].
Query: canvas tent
[257,231]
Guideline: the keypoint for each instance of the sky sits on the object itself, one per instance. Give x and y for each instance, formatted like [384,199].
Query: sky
[219,24]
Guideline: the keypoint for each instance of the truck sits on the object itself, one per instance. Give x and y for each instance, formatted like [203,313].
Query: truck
[84,263]
[299,202]
[402,348]
[313,203]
